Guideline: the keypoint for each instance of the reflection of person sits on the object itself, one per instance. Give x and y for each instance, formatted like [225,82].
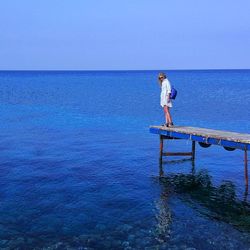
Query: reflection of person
[163,218]
[165,98]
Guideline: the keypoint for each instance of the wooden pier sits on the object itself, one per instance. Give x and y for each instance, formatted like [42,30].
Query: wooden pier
[205,137]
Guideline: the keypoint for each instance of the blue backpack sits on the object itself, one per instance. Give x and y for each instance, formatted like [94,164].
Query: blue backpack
[173,93]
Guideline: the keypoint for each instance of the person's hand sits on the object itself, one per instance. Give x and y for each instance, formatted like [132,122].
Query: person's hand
[168,98]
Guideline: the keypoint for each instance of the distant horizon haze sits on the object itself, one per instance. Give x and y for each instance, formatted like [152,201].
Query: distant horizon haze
[124,35]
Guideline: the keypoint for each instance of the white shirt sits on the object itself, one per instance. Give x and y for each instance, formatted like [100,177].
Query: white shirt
[165,91]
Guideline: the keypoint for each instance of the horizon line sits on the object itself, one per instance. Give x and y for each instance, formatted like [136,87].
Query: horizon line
[209,69]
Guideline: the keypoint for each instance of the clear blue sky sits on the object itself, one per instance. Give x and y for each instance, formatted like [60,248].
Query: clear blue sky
[128,34]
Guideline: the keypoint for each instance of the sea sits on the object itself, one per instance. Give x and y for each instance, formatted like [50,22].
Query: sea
[79,168]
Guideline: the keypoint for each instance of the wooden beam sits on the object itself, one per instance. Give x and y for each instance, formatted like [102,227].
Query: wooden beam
[193,150]
[246,168]
[177,154]
[161,149]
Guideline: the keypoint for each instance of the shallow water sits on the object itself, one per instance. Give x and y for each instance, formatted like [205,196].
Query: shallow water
[79,168]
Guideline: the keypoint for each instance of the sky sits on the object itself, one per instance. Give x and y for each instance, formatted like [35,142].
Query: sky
[124,35]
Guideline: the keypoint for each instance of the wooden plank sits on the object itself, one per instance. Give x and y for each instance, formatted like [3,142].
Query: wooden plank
[177,154]
[203,133]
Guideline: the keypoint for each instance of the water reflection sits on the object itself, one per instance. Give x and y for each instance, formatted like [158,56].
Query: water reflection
[163,219]
[216,202]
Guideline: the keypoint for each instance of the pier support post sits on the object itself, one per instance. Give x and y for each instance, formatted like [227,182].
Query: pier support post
[162,138]
[193,151]
[161,150]
[246,168]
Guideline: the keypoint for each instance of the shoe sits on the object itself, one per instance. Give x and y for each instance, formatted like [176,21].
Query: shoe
[171,125]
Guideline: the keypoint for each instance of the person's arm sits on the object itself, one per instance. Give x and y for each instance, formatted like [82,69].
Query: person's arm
[168,98]
[168,90]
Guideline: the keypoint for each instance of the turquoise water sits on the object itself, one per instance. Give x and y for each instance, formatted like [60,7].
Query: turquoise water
[79,168]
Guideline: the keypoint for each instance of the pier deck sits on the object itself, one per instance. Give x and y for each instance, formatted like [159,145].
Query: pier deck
[205,137]
[209,136]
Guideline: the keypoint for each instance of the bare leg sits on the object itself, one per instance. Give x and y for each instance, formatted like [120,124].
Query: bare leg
[167,115]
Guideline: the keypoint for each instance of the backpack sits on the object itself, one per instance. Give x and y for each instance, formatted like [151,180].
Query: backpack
[173,93]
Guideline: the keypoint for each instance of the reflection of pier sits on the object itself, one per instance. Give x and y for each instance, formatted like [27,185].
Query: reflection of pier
[221,202]
[205,137]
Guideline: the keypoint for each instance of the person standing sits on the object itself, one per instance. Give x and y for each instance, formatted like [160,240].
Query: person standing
[166,102]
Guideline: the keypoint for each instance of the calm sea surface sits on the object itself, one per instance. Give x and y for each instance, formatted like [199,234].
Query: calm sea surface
[79,168]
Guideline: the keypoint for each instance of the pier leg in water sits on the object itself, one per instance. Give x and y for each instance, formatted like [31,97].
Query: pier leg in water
[161,171]
[246,170]
[161,150]
[193,152]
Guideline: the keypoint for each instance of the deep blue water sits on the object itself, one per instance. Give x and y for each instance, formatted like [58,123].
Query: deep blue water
[79,168]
